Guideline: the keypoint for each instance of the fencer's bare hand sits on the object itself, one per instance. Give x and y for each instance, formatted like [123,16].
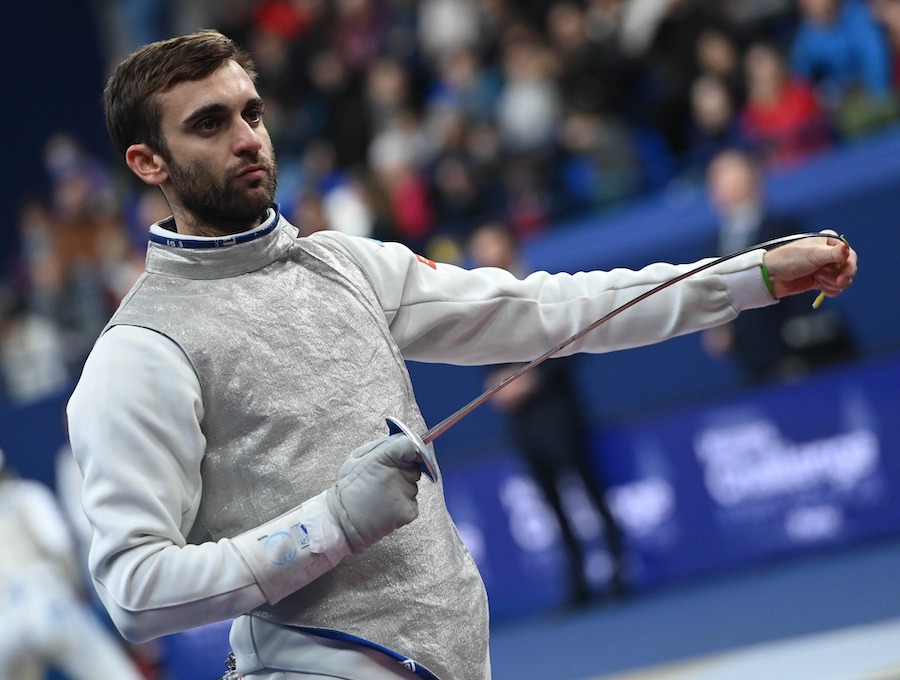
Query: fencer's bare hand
[376,489]
[827,264]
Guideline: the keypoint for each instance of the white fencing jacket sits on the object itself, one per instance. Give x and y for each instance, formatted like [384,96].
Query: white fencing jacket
[143,488]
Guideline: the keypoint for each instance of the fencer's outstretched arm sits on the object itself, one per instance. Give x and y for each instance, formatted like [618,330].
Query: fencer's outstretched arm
[134,423]
[443,313]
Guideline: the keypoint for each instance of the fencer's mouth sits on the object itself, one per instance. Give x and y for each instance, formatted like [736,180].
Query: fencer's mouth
[255,171]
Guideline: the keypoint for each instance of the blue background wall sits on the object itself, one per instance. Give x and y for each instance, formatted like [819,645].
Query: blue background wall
[53,74]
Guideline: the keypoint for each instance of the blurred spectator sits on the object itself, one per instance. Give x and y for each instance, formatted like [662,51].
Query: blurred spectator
[128,24]
[410,212]
[887,13]
[345,195]
[74,263]
[841,49]
[528,113]
[32,356]
[348,206]
[550,431]
[397,155]
[464,83]
[357,32]
[287,19]
[37,258]
[782,340]
[600,165]
[77,278]
[146,205]
[639,21]
[402,140]
[458,197]
[719,54]
[529,104]
[668,49]
[308,213]
[603,21]
[388,95]
[782,120]
[714,124]
[591,75]
[529,200]
[46,623]
[275,70]
[464,176]
[484,150]
[762,19]
[340,99]
[448,26]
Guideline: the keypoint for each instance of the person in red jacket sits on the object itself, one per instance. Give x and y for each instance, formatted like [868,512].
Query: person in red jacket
[782,118]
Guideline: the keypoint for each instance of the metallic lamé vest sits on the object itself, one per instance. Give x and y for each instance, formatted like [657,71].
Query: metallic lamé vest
[297,368]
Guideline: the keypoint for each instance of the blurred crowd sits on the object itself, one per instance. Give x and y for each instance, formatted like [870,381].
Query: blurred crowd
[420,120]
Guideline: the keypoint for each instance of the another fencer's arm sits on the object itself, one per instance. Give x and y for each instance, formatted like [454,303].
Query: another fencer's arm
[48,530]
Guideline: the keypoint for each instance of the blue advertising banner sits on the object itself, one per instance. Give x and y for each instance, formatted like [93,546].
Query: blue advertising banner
[511,533]
[772,472]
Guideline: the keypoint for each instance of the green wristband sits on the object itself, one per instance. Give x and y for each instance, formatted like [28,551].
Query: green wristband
[768,281]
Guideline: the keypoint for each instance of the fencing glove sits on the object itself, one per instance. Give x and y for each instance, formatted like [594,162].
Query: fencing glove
[375,492]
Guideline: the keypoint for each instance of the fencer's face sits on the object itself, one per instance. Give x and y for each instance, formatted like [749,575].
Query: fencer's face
[220,162]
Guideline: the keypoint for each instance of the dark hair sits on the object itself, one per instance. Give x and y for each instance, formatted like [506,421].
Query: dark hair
[130,99]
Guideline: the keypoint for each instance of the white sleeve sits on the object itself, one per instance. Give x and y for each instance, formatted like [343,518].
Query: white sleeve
[134,425]
[442,313]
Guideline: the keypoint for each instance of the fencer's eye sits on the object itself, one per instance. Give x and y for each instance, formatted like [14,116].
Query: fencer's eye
[207,125]
[254,114]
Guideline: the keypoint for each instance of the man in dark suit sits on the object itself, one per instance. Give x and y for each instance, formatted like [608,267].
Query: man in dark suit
[550,430]
[782,340]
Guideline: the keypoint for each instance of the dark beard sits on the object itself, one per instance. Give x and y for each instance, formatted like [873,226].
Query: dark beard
[216,206]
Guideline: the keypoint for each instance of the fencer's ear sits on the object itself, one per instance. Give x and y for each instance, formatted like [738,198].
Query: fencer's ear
[148,165]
